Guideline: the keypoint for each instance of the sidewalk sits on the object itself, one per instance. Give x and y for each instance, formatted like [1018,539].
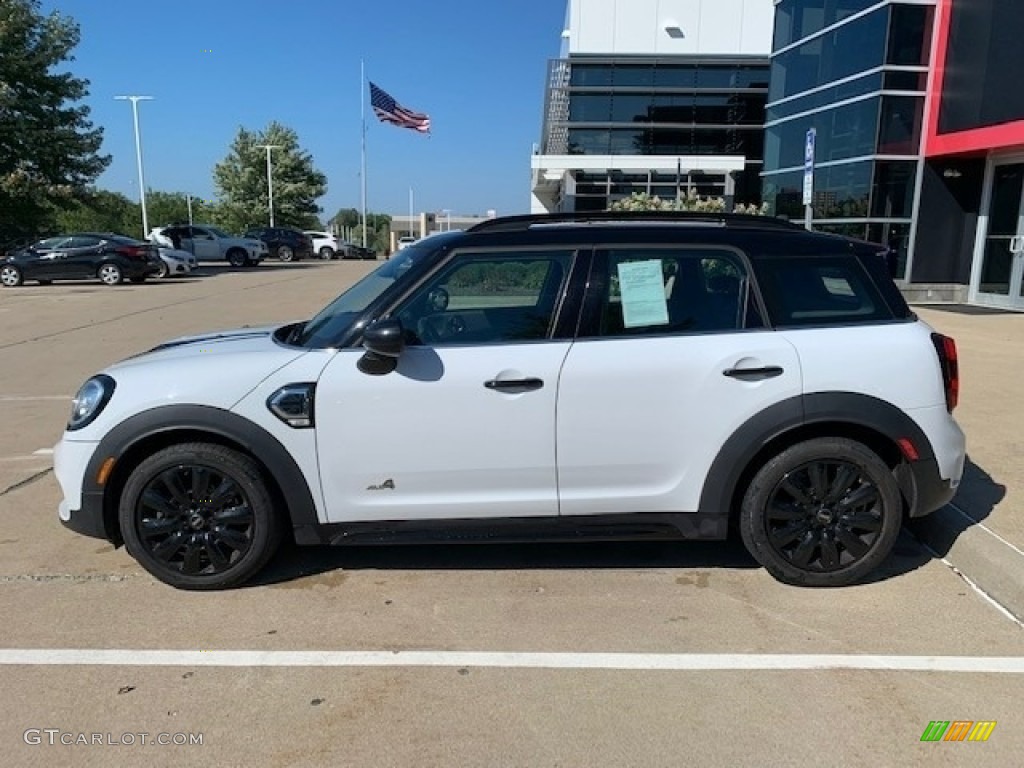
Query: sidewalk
[982,532]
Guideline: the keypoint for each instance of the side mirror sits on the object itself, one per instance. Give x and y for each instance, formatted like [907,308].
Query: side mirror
[384,341]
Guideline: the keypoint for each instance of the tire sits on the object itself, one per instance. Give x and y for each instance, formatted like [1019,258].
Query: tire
[327,253]
[237,257]
[285,253]
[823,513]
[252,262]
[164,271]
[199,516]
[110,274]
[10,276]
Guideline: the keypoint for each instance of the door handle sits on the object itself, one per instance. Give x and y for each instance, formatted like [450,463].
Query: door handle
[767,372]
[514,385]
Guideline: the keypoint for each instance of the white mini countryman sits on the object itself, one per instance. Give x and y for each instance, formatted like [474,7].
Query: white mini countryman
[602,376]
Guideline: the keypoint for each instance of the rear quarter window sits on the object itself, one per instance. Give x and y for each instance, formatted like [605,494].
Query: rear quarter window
[819,290]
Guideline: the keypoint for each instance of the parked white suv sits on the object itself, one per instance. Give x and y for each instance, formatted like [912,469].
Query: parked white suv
[325,245]
[208,243]
[605,376]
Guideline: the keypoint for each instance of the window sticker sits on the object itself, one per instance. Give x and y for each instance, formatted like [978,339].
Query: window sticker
[643,293]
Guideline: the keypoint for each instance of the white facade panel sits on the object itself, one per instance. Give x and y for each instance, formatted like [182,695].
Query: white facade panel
[663,27]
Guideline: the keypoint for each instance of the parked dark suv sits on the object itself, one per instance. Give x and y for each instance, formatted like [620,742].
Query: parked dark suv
[602,376]
[283,242]
[80,256]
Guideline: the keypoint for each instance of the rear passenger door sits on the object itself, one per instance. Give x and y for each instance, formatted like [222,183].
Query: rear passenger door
[672,358]
[204,245]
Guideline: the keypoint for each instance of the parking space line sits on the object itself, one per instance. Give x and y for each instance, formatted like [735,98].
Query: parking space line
[986,529]
[31,398]
[695,662]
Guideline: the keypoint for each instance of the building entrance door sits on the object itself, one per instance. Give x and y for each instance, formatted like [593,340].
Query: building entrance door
[999,278]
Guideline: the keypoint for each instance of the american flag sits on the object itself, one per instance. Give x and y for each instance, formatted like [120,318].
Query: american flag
[390,111]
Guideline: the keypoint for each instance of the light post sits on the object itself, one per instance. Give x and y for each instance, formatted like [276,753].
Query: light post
[138,156]
[270,179]
[447,219]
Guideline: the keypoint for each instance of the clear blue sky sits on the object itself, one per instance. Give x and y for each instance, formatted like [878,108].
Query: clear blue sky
[478,69]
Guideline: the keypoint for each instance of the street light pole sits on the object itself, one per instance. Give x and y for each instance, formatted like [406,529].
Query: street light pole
[270,179]
[138,156]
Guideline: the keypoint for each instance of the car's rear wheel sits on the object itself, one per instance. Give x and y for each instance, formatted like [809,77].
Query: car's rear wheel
[10,276]
[327,253]
[237,257]
[110,274]
[199,516]
[822,513]
[285,253]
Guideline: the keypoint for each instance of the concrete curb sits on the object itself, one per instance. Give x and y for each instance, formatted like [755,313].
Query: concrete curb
[994,565]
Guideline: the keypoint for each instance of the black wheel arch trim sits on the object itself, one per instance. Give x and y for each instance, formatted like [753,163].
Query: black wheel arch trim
[857,411]
[261,445]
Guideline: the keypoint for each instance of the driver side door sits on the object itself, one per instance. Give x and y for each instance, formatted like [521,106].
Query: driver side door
[465,426]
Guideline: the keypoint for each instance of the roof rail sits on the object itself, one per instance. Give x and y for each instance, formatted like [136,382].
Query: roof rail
[523,223]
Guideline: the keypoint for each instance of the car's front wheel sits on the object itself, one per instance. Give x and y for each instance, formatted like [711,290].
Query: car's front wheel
[285,253]
[237,257]
[110,274]
[327,253]
[199,516]
[10,276]
[822,513]
[164,270]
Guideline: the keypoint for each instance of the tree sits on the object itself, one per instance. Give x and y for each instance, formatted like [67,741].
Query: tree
[172,208]
[241,181]
[378,228]
[100,211]
[48,147]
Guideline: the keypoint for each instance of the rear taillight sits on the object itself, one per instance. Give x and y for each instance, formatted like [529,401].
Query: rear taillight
[949,363]
[139,252]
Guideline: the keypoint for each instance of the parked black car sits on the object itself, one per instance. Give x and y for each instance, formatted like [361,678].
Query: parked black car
[110,258]
[285,243]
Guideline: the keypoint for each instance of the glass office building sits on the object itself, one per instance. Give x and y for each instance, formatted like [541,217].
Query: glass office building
[662,97]
[857,72]
[664,110]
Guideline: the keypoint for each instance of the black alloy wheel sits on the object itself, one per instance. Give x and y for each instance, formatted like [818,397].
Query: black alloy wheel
[237,257]
[822,513]
[285,253]
[199,516]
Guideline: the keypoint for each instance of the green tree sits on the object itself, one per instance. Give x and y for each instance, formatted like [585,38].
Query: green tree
[172,208]
[99,210]
[241,181]
[378,228]
[48,147]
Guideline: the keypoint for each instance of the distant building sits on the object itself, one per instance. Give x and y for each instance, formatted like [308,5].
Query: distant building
[655,96]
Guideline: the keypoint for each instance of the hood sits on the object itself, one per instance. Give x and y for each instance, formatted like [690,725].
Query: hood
[248,345]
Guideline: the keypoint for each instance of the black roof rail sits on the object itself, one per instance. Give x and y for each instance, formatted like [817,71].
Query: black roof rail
[525,222]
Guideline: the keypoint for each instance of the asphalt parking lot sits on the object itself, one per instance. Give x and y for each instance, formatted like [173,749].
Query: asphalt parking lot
[587,655]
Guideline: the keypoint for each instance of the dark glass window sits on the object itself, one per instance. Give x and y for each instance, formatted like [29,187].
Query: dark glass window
[590,107]
[486,298]
[855,47]
[859,87]
[795,19]
[701,291]
[591,75]
[840,192]
[906,81]
[910,35]
[892,196]
[844,132]
[817,290]
[899,129]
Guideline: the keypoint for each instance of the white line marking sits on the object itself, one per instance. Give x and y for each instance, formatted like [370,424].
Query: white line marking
[983,594]
[29,398]
[989,531]
[43,452]
[639,661]
[8,459]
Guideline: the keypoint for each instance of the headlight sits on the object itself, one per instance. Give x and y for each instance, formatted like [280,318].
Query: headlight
[90,401]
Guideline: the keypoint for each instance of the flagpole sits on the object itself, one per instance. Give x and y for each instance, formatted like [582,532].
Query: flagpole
[362,101]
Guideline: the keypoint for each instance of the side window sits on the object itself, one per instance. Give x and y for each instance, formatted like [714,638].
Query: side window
[82,242]
[53,243]
[486,298]
[199,234]
[658,291]
[816,290]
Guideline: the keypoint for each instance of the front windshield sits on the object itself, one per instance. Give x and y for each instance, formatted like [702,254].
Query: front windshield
[336,317]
